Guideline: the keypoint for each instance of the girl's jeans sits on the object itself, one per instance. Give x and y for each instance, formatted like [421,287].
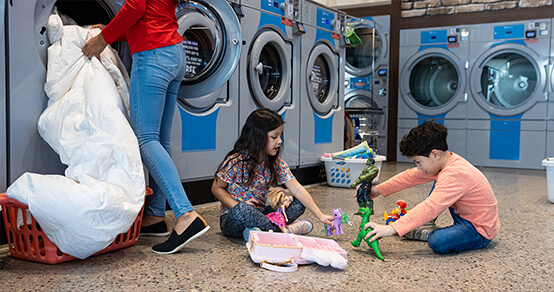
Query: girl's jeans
[462,235]
[155,78]
[244,215]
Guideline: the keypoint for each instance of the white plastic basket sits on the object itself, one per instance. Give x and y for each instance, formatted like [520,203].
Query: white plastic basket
[341,173]
[549,163]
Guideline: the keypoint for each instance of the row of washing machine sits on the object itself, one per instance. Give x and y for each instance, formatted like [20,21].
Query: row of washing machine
[490,84]
[286,55]
[366,80]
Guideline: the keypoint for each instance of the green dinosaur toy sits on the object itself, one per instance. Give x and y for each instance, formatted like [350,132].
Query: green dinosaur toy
[365,213]
[368,173]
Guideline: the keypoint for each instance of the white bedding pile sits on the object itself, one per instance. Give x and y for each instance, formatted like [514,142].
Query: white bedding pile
[85,123]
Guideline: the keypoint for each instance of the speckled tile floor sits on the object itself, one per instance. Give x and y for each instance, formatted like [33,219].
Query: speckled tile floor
[521,258]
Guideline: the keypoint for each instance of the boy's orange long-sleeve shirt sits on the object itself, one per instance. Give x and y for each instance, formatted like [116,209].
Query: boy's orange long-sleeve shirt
[460,185]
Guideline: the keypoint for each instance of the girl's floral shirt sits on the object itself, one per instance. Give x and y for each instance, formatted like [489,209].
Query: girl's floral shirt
[234,172]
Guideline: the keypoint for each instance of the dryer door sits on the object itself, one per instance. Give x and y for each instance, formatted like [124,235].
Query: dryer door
[507,80]
[363,59]
[269,70]
[322,80]
[211,33]
[432,82]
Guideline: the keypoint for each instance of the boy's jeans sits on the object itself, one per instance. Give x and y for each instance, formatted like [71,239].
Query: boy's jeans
[155,78]
[462,235]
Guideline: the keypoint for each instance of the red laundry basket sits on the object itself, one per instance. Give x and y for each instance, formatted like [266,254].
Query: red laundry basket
[29,242]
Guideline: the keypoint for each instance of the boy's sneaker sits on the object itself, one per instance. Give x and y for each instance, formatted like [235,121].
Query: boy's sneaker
[421,232]
[157,229]
[301,227]
[246,232]
[175,242]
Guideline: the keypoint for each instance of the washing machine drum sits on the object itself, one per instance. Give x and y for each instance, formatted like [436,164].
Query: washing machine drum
[360,60]
[211,34]
[508,80]
[433,81]
[322,79]
[269,70]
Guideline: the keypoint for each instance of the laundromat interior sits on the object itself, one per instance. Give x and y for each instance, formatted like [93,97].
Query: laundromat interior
[340,73]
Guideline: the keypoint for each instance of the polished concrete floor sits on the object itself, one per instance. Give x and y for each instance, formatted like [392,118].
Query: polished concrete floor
[521,258]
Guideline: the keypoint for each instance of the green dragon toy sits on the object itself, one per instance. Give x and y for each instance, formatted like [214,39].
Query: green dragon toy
[365,213]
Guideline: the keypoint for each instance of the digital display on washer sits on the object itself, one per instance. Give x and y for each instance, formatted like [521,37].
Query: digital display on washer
[530,34]
[382,72]
[452,39]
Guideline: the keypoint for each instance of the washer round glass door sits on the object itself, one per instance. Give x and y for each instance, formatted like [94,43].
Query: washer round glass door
[269,70]
[507,81]
[432,81]
[211,34]
[364,58]
[322,79]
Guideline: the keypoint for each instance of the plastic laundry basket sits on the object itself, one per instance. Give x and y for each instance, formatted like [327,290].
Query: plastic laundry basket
[549,163]
[341,173]
[29,242]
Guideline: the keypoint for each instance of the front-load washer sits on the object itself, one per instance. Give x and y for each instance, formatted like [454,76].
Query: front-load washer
[508,82]
[366,79]
[3,129]
[433,81]
[321,79]
[205,124]
[550,114]
[25,100]
[269,67]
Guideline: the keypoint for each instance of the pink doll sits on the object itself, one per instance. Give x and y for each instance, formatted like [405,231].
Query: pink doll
[278,200]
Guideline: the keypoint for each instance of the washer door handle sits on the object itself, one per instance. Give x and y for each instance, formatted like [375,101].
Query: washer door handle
[259,68]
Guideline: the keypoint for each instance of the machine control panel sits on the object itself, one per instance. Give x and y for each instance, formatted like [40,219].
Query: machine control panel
[284,8]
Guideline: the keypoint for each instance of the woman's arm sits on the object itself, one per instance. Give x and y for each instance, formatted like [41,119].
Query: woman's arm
[300,193]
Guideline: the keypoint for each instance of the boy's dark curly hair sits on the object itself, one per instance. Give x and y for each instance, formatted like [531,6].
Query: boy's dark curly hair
[421,140]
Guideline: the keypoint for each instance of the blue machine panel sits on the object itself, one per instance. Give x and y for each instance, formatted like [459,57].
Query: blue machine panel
[325,19]
[503,32]
[323,131]
[433,37]
[198,132]
[505,137]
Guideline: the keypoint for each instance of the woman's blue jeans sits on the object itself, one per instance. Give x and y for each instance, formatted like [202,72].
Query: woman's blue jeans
[155,78]
[462,235]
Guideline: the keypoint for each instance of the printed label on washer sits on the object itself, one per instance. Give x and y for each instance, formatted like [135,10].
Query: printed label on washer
[193,57]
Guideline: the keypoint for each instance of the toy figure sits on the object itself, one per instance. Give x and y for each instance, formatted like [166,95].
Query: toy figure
[368,174]
[337,213]
[366,210]
[397,212]
[278,200]
[365,213]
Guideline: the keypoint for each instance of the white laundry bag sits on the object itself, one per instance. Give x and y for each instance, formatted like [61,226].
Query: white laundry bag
[85,122]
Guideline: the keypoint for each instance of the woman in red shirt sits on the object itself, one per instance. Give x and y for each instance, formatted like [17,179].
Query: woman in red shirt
[150,28]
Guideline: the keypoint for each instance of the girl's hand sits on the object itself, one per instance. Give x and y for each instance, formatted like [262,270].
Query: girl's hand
[253,202]
[379,231]
[326,219]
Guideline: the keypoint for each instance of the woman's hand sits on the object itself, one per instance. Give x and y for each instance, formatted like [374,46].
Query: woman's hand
[379,231]
[94,46]
[99,25]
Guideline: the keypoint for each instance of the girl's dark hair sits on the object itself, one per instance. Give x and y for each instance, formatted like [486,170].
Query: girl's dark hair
[421,140]
[253,138]
[179,2]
